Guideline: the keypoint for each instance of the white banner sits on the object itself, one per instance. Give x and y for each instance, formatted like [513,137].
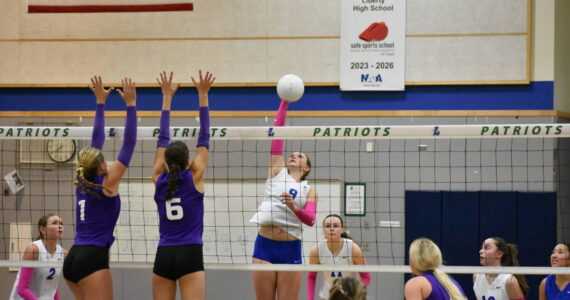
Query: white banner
[372,45]
[302,132]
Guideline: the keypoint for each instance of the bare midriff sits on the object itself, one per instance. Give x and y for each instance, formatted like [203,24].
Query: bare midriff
[275,233]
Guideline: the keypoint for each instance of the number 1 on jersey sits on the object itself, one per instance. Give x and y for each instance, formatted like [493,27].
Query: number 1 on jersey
[81,204]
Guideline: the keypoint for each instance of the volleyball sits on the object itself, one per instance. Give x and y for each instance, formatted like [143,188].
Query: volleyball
[290,88]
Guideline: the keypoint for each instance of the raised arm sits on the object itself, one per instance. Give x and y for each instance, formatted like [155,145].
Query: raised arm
[101,94]
[168,91]
[118,169]
[276,161]
[198,165]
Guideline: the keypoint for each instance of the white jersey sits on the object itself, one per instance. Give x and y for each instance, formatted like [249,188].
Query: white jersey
[496,290]
[273,212]
[343,257]
[45,280]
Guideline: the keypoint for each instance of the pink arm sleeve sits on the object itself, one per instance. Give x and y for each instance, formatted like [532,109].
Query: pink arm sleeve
[23,288]
[277,145]
[56,296]
[307,215]
[311,283]
[365,277]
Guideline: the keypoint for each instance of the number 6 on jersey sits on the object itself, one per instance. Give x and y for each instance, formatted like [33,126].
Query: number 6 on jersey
[173,210]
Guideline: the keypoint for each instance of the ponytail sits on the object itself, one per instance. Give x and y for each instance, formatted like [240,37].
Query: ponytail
[513,261]
[87,163]
[510,259]
[85,185]
[176,157]
[173,180]
[448,285]
[425,256]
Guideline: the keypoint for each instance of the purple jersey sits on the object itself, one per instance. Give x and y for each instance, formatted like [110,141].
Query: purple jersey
[182,217]
[95,218]
[438,292]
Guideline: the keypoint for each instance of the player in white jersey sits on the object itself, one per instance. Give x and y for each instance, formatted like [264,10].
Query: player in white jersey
[289,202]
[41,283]
[336,249]
[496,252]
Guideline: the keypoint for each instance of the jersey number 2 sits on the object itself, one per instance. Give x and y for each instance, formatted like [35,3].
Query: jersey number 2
[52,271]
[173,210]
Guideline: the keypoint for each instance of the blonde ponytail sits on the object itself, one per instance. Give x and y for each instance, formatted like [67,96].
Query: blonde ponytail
[448,285]
[425,256]
[87,163]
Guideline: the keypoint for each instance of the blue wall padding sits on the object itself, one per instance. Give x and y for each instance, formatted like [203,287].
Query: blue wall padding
[424,211]
[537,228]
[460,232]
[538,95]
[498,216]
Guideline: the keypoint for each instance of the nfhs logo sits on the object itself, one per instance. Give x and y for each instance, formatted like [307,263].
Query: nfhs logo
[370,78]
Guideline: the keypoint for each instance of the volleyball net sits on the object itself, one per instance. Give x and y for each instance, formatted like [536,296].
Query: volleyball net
[366,174]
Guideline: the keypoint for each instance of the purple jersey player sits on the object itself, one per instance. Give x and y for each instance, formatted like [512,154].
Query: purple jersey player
[86,267]
[430,283]
[179,197]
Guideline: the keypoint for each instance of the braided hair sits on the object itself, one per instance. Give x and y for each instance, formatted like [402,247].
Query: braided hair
[87,164]
[176,156]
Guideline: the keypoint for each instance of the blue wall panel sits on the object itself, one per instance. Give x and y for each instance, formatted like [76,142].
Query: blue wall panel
[536,233]
[460,232]
[423,214]
[498,216]
[537,95]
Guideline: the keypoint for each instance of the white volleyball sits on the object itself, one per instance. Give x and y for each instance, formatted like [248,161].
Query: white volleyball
[290,88]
